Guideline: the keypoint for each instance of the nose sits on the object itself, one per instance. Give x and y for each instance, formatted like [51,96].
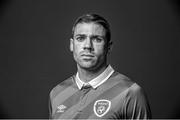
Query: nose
[88,44]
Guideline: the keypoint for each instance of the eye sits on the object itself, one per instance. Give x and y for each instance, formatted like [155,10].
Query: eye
[97,39]
[80,38]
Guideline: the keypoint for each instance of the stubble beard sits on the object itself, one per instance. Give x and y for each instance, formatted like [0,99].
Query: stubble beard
[94,66]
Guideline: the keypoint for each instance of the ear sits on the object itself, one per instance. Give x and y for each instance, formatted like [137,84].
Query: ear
[71,45]
[110,45]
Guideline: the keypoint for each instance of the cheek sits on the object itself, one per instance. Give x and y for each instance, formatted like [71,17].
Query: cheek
[77,49]
[100,49]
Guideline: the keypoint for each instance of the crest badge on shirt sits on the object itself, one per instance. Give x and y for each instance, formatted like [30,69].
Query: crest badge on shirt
[101,107]
[61,108]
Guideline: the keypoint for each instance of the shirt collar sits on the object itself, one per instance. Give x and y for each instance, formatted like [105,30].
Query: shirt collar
[96,81]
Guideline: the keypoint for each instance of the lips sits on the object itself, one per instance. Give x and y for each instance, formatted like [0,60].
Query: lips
[87,56]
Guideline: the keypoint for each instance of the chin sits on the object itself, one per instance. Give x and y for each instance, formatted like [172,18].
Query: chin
[87,65]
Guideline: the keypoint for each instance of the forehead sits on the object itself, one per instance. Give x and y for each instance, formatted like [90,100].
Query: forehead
[89,29]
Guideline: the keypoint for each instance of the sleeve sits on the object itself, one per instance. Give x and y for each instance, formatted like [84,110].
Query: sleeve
[136,105]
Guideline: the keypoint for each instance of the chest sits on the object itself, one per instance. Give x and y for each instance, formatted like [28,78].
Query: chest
[83,104]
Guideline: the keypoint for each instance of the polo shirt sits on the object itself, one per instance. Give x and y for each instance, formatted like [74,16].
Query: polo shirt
[111,96]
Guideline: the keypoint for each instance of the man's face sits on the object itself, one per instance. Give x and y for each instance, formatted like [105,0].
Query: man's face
[89,45]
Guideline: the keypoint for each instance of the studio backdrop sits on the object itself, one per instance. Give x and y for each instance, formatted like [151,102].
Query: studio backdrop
[35,53]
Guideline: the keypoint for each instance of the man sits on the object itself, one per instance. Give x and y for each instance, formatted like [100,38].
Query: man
[96,91]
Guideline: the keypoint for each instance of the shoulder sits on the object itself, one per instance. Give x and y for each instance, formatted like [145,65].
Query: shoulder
[125,85]
[122,80]
[61,86]
[129,96]
[135,89]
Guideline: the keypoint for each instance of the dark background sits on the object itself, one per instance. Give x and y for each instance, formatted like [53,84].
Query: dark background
[35,56]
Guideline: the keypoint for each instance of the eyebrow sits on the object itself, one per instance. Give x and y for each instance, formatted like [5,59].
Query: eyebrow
[84,35]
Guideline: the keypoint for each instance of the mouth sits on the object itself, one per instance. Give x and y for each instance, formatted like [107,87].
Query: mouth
[87,56]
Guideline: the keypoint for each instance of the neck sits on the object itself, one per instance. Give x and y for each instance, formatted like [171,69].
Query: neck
[87,75]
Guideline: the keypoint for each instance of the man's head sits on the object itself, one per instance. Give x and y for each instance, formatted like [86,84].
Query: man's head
[90,41]
[94,18]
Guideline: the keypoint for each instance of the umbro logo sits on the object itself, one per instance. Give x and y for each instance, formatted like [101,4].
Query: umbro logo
[61,108]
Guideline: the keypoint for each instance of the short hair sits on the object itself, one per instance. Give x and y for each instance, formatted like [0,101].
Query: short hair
[94,18]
